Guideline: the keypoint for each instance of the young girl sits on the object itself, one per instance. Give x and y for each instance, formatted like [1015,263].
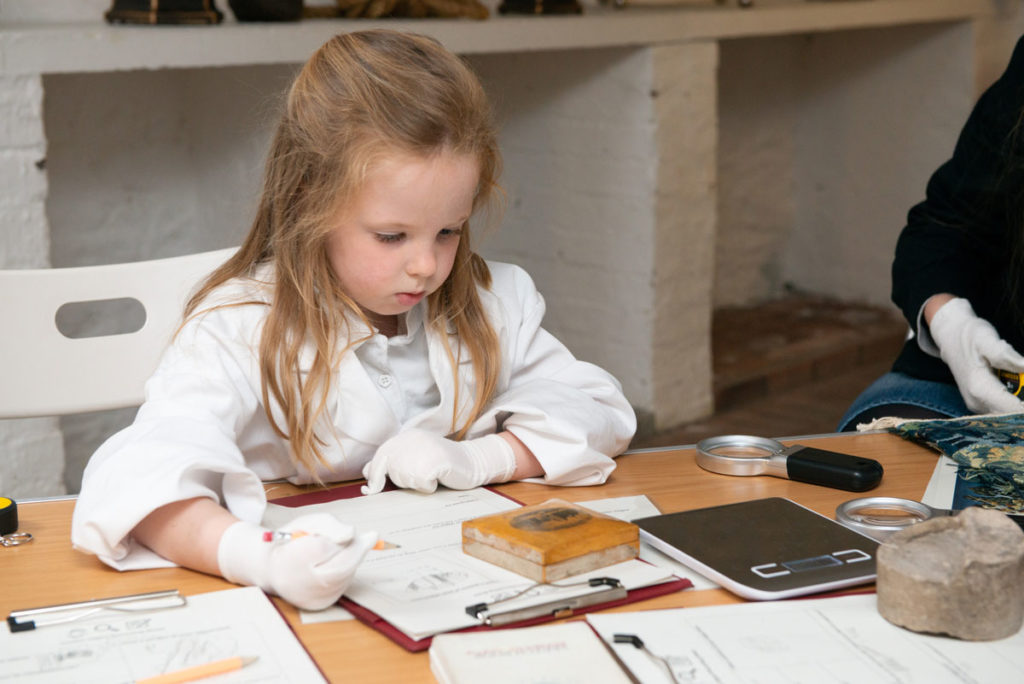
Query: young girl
[355,333]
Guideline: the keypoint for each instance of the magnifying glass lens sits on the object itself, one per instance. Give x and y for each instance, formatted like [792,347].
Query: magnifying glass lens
[740,451]
[889,516]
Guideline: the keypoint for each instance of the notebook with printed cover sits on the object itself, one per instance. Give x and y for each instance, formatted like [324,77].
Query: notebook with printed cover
[764,549]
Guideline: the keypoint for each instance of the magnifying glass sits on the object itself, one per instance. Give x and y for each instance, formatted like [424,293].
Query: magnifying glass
[749,455]
[880,516]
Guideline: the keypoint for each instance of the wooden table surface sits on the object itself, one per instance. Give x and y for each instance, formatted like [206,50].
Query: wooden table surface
[48,571]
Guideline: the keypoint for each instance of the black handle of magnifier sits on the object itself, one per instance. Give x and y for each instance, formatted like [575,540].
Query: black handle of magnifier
[833,469]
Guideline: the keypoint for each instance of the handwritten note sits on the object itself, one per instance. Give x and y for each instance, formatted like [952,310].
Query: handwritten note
[115,647]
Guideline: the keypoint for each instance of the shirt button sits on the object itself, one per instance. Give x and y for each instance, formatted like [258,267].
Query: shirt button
[385,381]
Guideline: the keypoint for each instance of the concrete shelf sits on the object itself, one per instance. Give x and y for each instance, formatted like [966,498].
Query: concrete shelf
[82,47]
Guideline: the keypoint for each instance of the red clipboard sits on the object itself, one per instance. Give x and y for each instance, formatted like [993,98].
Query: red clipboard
[368,617]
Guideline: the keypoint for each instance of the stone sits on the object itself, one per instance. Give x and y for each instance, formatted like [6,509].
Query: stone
[962,576]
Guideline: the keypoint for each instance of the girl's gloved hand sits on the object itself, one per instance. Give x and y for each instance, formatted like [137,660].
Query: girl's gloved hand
[972,348]
[420,460]
[310,571]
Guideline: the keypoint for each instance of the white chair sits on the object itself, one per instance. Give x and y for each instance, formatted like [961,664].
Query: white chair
[46,373]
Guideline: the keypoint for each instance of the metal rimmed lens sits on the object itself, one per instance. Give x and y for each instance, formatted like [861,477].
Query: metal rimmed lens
[742,455]
[880,516]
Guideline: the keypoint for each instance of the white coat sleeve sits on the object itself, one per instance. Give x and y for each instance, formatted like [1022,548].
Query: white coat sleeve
[182,445]
[571,414]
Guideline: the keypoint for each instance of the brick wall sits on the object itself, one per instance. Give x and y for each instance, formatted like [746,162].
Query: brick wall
[32,460]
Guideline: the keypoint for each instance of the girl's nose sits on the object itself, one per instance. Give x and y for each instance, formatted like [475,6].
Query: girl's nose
[422,263]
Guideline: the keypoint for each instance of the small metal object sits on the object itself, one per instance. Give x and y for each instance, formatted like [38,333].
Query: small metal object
[558,608]
[15,539]
[33,618]
[1014,382]
[749,455]
[880,516]
[639,644]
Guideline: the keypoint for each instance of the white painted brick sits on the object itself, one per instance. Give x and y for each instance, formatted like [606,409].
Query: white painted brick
[33,458]
[21,179]
[21,111]
[24,238]
[685,106]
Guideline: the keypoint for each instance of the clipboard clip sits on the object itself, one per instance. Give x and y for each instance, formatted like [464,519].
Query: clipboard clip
[31,618]
[556,608]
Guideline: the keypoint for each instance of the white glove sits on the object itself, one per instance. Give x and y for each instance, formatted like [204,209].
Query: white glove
[417,459]
[310,571]
[972,348]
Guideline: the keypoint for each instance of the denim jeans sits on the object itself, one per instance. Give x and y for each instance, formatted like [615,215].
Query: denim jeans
[901,389]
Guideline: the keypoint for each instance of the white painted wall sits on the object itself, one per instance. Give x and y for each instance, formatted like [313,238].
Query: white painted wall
[148,164]
[33,457]
[584,246]
[827,140]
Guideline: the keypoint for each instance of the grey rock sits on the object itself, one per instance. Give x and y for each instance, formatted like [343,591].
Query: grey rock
[962,576]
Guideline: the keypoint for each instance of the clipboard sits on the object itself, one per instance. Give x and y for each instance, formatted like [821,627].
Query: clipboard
[557,609]
[765,549]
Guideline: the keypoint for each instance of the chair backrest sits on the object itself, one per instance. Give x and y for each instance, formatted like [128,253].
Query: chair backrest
[43,372]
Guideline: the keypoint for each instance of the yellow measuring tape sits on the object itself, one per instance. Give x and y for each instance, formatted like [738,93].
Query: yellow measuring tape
[8,515]
[1014,382]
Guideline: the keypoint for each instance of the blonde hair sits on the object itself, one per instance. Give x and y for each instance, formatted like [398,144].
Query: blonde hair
[359,98]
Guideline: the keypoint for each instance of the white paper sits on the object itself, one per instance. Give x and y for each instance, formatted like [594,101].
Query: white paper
[629,508]
[941,486]
[115,647]
[560,653]
[330,614]
[424,586]
[819,641]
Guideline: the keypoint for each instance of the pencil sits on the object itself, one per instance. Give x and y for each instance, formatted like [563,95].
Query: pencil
[190,674]
[381,545]
[282,536]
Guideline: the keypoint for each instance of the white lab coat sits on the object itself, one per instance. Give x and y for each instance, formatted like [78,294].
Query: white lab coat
[202,430]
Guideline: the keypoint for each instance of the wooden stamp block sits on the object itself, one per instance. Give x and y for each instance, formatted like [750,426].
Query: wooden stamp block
[552,540]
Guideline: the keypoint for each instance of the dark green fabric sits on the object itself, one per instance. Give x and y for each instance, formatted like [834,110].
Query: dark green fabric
[988,450]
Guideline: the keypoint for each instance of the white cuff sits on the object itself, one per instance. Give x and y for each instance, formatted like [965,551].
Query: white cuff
[243,555]
[924,335]
[495,457]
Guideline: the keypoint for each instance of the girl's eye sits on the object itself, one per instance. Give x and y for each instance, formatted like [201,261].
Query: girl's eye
[389,237]
[449,233]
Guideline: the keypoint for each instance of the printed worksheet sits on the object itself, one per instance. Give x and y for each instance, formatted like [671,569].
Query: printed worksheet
[122,646]
[629,508]
[423,582]
[824,641]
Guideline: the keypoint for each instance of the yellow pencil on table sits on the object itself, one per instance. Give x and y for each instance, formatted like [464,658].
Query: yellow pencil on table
[191,674]
[381,545]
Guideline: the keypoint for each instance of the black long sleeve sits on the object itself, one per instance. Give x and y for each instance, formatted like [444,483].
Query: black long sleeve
[962,238]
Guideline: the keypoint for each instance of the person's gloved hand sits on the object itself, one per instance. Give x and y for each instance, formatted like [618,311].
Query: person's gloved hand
[417,459]
[310,571]
[972,348]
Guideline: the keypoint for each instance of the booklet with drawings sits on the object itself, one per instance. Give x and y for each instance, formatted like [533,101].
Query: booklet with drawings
[764,549]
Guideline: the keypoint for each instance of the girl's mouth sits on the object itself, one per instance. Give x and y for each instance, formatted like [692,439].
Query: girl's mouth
[409,298]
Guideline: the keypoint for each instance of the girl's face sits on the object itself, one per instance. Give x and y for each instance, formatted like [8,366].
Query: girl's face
[395,242]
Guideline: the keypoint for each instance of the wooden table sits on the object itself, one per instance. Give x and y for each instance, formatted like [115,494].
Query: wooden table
[48,571]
